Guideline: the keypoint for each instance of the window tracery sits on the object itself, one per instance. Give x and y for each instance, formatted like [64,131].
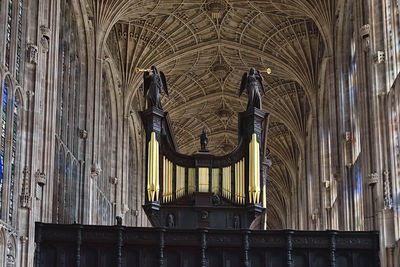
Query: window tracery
[67,130]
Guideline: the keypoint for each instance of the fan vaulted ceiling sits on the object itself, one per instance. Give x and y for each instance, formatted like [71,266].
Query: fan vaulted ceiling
[204,47]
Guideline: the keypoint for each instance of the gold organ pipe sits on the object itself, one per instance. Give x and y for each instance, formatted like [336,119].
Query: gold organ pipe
[164,184]
[236,182]
[215,181]
[242,195]
[149,170]
[191,180]
[170,180]
[203,179]
[226,182]
[167,180]
[153,186]
[156,169]
[254,170]
[180,181]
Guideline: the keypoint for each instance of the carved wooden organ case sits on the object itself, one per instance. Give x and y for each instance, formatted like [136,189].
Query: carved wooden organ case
[203,190]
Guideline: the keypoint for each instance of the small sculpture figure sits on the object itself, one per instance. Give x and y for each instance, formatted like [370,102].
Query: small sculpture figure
[119,220]
[236,222]
[216,200]
[204,140]
[253,83]
[153,84]
[204,215]
[170,220]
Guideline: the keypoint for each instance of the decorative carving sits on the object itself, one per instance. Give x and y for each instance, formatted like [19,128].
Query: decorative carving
[114,180]
[315,216]
[380,57]
[185,240]
[153,85]
[23,239]
[204,260]
[388,199]
[25,201]
[25,181]
[253,83]
[125,208]
[216,8]
[40,177]
[216,200]
[204,140]
[170,220]
[373,178]
[162,246]
[32,53]
[246,246]
[348,137]
[204,215]
[30,93]
[95,171]
[236,222]
[45,38]
[365,35]
[365,30]
[119,220]
[10,254]
[83,134]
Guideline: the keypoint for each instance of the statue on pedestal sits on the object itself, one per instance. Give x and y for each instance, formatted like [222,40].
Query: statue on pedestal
[204,140]
[153,85]
[253,83]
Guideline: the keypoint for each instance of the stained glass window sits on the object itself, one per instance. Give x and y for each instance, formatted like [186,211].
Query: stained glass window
[67,117]
[358,195]
[60,186]
[13,155]
[19,42]
[67,190]
[354,99]
[8,33]
[3,138]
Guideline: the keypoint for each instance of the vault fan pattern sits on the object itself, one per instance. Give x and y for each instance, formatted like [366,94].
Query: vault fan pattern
[204,47]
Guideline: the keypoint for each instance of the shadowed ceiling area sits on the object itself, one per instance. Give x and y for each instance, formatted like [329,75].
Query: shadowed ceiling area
[204,47]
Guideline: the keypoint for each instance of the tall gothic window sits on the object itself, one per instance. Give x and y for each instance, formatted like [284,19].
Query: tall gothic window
[8,33]
[392,38]
[67,167]
[19,42]
[13,31]
[4,124]
[103,181]
[10,107]
[8,154]
[357,181]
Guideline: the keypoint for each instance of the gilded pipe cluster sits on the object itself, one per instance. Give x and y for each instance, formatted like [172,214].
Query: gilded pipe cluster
[215,181]
[240,196]
[191,180]
[254,170]
[167,180]
[180,181]
[153,187]
[226,182]
[203,179]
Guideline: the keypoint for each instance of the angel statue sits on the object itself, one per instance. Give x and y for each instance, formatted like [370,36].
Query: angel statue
[153,84]
[252,83]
